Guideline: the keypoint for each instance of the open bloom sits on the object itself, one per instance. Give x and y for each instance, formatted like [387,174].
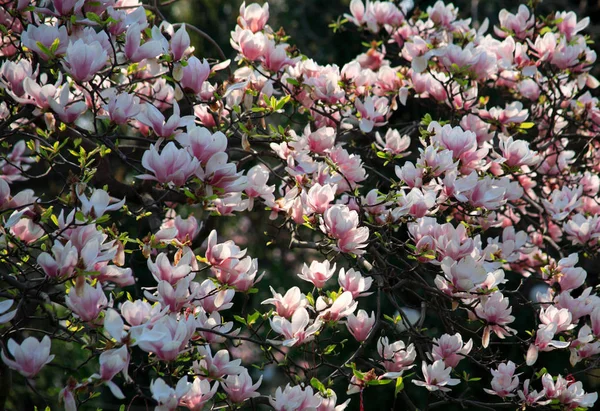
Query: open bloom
[341,223]
[496,311]
[239,387]
[505,381]
[318,273]
[198,393]
[172,165]
[436,376]
[29,357]
[450,349]
[297,331]
[86,302]
[341,307]
[286,305]
[396,357]
[295,398]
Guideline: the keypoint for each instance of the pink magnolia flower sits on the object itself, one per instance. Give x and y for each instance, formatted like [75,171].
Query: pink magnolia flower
[393,143]
[437,377]
[318,273]
[517,153]
[257,186]
[113,362]
[180,44]
[221,174]
[163,270]
[239,387]
[29,357]
[167,337]
[62,262]
[544,342]
[372,111]
[321,139]
[463,275]
[329,401]
[167,397]
[201,143]
[341,223]
[152,117]
[135,51]
[198,394]
[214,322]
[254,17]
[123,107]
[172,165]
[82,61]
[505,382]
[521,24]
[396,357]
[86,302]
[297,331]
[218,365]
[450,349]
[46,35]
[175,297]
[567,23]
[354,282]
[495,310]
[335,310]
[13,74]
[531,397]
[319,196]
[195,73]
[295,398]
[211,297]
[98,203]
[360,325]
[286,305]
[252,46]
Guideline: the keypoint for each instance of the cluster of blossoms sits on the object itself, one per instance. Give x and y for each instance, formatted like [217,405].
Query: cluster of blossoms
[424,237]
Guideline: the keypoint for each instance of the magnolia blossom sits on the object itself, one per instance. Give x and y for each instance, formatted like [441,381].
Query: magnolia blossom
[86,302]
[505,382]
[318,273]
[29,357]
[437,377]
[172,165]
[295,398]
[198,393]
[218,365]
[239,387]
[167,397]
[450,349]
[360,325]
[341,307]
[396,357]
[495,311]
[286,305]
[297,331]
[354,282]
[341,223]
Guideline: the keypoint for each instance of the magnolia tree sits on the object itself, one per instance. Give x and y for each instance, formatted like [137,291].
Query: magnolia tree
[438,196]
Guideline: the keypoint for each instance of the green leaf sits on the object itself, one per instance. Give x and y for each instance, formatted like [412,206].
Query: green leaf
[251,318]
[317,385]
[330,348]
[399,386]
[379,382]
